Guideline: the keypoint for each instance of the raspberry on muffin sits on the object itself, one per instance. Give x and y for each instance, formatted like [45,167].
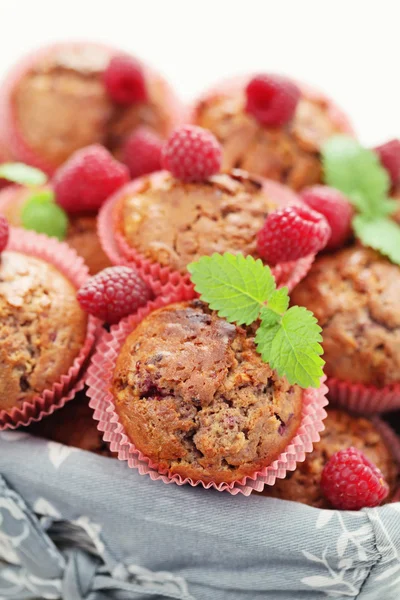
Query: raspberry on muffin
[286,145]
[195,397]
[341,432]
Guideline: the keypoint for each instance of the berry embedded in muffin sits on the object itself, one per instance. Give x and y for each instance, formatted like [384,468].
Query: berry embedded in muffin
[355,295]
[196,398]
[342,431]
[268,128]
[42,327]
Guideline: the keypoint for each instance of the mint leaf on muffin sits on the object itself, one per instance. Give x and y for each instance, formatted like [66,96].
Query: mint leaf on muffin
[22,174]
[243,290]
[40,213]
[358,173]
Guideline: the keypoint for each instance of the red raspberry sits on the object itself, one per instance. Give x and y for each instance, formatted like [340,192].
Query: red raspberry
[389,155]
[4,232]
[336,209]
[87,179]
[114,293]
[272,99]
[291,233]
[142,152]
[124,80]
[191,154]
[351,482]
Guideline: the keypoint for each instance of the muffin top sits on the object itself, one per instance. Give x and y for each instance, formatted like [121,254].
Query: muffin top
[174,223]
[61,104]
[196,398]
[355,295]
[289,154]
[42,327]
[341,431]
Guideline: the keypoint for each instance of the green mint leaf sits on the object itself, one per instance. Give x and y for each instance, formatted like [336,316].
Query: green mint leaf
[292,346]
[279,301]
[233,285]
[22,174]
[41,214]
[357,172]
[381,234]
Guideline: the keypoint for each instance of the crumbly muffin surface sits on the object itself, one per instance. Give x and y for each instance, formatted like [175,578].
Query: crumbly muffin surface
[175,223]
[42,327]
[342,430]
[196,398]
[288,154]
[355,295]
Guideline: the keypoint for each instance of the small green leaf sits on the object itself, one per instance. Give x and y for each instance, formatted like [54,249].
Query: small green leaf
[279,301]
[233,285]
[22,174]
[292,347]
[41,214]
[381,234]
[357,172]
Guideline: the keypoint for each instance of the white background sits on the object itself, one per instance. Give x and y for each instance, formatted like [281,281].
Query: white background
[348,48]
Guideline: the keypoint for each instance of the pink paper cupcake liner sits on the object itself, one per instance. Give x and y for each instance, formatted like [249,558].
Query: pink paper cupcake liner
[392,441]
[10,136]
[73,267]
[99,380]
[167,281]
[232,84]
[363,399]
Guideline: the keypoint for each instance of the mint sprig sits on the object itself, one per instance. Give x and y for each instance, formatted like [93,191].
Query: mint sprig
[40,213]
[358,173]
[243,290]
[22,174]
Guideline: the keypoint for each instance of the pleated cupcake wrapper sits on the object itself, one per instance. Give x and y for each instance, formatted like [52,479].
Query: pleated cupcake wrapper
[363,399]
[392,441]
[233,84]
[10,135]
[99,382]
[61,256]
[166,281]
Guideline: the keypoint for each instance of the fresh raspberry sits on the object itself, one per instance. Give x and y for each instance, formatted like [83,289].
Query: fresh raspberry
[191,154]
[272,99]
[389,155]
[336,209]
[351,482]
[114,293]
[88,178]
[291,233]
[124,80]
[4,232]
[142,152]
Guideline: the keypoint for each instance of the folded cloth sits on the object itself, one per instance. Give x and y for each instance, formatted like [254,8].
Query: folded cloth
[78,526]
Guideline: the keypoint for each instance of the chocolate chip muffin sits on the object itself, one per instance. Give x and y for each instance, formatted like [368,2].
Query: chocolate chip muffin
[342,430]
[196,398]
[355,295]
[174,223]
[59,104]
[81,233]
[289,154]
[42,327]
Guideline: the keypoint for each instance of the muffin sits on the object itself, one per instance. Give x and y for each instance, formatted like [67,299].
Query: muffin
[342,431]
[81,233]
[55,102]
[289,153]
[196,399]
[355,295]
[73,426]
[42,328]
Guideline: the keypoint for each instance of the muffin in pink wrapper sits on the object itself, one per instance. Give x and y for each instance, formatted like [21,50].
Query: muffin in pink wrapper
[55,101]
[46,338]
[183,396]
[160,224]
[355,295]
[270,126]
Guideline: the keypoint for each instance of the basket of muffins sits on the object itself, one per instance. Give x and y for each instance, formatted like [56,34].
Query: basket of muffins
[209,296]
